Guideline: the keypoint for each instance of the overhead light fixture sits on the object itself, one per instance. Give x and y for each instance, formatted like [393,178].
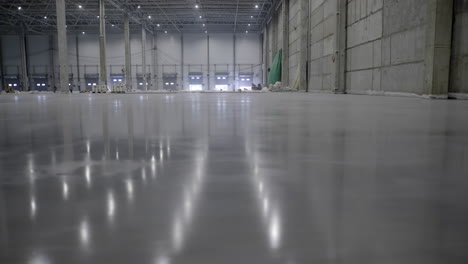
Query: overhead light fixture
[158,25]
[19,8]
[139,7]
[83,32]
[206,31]
[80,6]
[249,25]
[204,25]
[45,17]
[196,6]
[112,24]
[256,6]
[246,32]
[201,17]
[251,16]
[97,16]
[165,32]
[149,17]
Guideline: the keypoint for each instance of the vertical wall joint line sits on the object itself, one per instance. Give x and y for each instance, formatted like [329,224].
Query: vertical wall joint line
[340,42]
[285,58]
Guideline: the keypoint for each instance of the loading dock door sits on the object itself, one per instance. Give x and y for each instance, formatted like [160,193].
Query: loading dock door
[40,83]
[196,81]
[245,81]
[91,81]
[140,81]
[222,81]
[12,82]
[170,81]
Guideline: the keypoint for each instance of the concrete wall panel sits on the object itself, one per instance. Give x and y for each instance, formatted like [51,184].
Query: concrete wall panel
[459,57]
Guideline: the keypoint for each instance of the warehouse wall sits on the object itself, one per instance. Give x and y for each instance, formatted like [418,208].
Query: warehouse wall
[169,55]
[364,42]
[11,54]
[274,35]
[388,45]
[404,46]
[459,60]
[294,36]
[322,44]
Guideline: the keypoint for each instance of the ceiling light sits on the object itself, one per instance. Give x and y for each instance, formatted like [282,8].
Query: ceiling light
[251,16]
[112,24]
[97,16]
[139,7]
[201,17]
[256,6]
[204,25]
[158,25]
[246,32]
[80,6]
[249,25]
[165,32]
[45,17]
[19,8]
[206,31]
[149,17]
[83,32]
[196,6]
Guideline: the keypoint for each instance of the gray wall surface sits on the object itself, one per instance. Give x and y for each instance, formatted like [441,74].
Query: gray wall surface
[294,39]
[322,44]
[364,42]
[386,46]
[459,60]
[388,43]
[169,54]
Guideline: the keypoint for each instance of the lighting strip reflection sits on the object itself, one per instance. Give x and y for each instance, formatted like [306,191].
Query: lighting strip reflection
[184,213]
[270,211]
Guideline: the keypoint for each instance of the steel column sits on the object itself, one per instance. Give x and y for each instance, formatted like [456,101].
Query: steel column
[143,53]
[128,55]
[102,43]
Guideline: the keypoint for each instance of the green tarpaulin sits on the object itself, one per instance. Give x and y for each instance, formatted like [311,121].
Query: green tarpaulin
[275,70]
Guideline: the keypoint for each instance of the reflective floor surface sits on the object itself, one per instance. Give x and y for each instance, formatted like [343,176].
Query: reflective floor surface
[233,179]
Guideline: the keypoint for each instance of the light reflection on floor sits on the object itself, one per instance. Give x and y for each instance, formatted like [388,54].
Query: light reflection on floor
[232,178]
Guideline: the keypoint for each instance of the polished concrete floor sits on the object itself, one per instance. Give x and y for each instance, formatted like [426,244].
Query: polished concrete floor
[233,178]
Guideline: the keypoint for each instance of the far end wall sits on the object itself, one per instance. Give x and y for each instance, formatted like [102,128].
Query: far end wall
[246,58]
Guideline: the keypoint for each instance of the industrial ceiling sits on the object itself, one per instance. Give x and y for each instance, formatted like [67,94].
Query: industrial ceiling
[38,16]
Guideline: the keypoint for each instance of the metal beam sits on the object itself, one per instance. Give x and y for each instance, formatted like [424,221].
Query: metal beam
[182,61]
[77,47]
[128,55]
[2,74]
[234,80]
[53,85]
[143,54]
[208,60]
[154,50]
[62,45]
[102,43]
[24,61]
